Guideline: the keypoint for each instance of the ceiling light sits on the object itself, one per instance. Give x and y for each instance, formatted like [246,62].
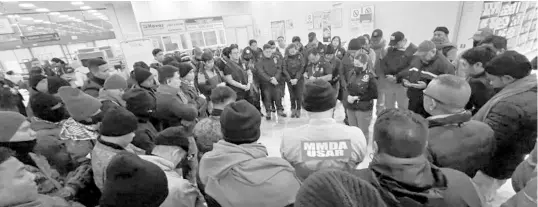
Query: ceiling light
[92,11]
[63,16]
[47,22]
[85,7]
[11,16]
[42,10]
[26,5]
[27,18]
[13,24]
[77,3]
[38,21]
[54,13]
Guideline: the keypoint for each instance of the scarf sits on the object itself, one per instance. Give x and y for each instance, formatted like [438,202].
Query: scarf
[73,130]
[517,87]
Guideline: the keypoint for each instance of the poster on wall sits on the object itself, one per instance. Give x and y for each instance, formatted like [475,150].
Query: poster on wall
[326,25]
[336,18]
[366,20]
[310,21]
[278,28]
[162,27]
[318,22]
[199,24]
[355,17]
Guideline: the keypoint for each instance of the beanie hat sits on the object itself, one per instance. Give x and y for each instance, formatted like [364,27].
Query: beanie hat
[174,136]
[354,44]
[139,102]
[442,29]
[47,107]
[115,82]
[184,69]
[240,123]
[207,56]
[319,96]
[118,122]
[396,37]
[133,182]
[166,72]
[330,49]
[80,105]
[141,75]
[11,124]
[54,83]
[169,109]
[337,188]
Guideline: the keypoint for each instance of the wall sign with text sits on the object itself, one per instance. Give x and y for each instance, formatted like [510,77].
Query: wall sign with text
[162,27]
[325,150]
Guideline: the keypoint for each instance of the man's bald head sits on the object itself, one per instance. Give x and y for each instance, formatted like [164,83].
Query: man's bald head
[449,90]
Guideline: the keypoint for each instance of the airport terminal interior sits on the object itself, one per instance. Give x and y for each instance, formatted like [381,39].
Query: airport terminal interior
[275,73]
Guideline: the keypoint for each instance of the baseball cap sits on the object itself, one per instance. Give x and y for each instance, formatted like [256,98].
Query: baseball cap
[377,33]
[311,34]
[396,37]
[425,47]
[481,34]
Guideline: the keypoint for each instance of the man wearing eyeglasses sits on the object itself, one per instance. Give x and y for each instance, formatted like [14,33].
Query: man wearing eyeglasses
[427,64]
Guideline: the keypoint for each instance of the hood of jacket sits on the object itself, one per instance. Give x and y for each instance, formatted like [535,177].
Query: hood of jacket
[449,119]
[380,45]
[106,95]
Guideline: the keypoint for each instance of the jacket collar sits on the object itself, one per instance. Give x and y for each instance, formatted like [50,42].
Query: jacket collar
[449,119]
[110,144]
[407,172]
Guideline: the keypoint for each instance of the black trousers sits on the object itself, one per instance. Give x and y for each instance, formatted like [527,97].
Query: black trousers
[296,94]
[271,97]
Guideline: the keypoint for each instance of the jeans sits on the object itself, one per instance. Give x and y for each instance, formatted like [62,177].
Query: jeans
[296,94]
[271,97]
[360,119]
[395,93]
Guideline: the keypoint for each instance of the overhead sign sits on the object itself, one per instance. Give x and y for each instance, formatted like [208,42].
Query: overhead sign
[325,150]
[204,23]
[30,39]
[5,26]
[162,27]
[355,17]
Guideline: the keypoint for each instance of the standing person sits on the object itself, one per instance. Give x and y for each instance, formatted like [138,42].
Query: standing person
[256,51]
[293,67]
[197,57]
[321,129]
[139,102]
[480,35]
[403,175]
[473,62]
[208,77]
[280,56]
[236,76]
[313,43]
[511,113]
[364,45]
[398,58]
[498,42]
[281,45]
[443,44]
[237,172]
[247,60]
[58,66]
[379,45]
[13,89]
[361,92]
[110,94]
[337,68]
[186,74]
[427,64]
[270,71]
[317,68]
[297,41]
[456,141]
[158,58]
[336,42]
[99,72]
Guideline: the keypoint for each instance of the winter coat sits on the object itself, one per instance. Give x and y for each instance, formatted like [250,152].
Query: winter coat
[360,83]
[243,176]
[511,113]
[524,183]
[39,201]
[293,66]
[481,92]
[207,80]
[93,85]
[268,68]
[397,60]
[409,182]
[194,98]
[239,73]
[337,69]
[181,193]
[102,154]
[145,135]
[448,49]
[459,143]
[322,130]
[109,100]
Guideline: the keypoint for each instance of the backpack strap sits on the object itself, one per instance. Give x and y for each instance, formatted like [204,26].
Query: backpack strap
[463,186]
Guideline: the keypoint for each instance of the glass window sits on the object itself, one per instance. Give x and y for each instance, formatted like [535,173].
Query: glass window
[222,37]
[210,38]
[184,42]
[46,53]
[169,44]
[197,39]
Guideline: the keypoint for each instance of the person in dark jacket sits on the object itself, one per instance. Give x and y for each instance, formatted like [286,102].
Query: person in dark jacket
[361,92]
[443,44]
[318,68]
[293,68]
[256,51]
[427,64]
[297,41]
[13,89]
[99,72]
[340,52]
[110,94]
[473,62]
[207,76]
[500,43]
[269,70]
[511,113]
[337,68]
[401,172]
[248,62]
[139,102]
[456,141]
[238,76]
[398,58]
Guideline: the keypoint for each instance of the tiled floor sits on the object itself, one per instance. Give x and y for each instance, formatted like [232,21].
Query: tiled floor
[272,136]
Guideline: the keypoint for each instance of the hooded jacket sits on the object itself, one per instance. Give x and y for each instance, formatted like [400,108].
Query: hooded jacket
[459,143]
[243,176]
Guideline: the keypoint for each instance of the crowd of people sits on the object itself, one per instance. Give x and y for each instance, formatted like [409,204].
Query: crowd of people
[451,127]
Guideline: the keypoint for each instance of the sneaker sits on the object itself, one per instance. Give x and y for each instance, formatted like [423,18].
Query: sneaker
[282,114]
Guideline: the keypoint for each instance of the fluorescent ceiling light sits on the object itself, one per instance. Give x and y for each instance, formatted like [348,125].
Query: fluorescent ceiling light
[42,10]
[77,2]
[13,24]
[54,13]
[27,18]
[92,11]
[38,21]
[26,5]
[85,7]
[64,16]
[47,22]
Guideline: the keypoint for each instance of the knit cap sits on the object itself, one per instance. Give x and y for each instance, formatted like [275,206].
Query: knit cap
[353,45]
[174,136]
[319,96]
[139,102]
[133,182]
[118,122]
[337,188]
[441,29]
[47,107]
[141,75]
[240,123]
[80,105]
[115,81]
[184,69]
[14,127]
[167,71]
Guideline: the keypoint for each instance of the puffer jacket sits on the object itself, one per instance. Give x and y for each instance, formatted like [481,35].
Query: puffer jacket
[459,143]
